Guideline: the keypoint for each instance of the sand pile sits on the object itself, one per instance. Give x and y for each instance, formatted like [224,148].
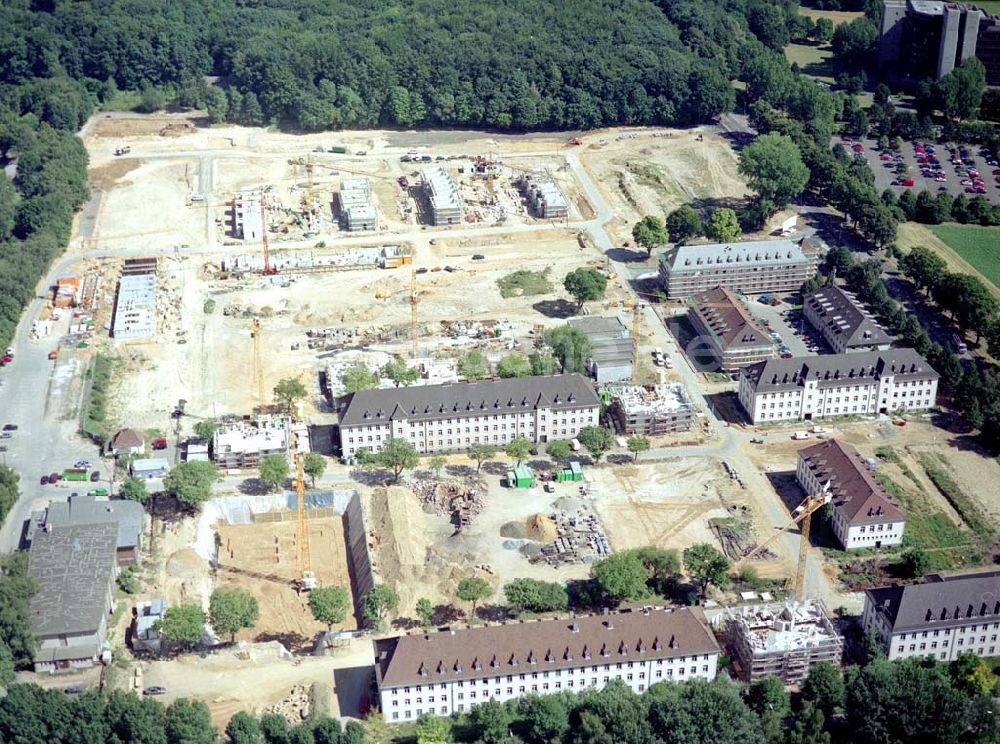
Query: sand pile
[516,530]
[541,528]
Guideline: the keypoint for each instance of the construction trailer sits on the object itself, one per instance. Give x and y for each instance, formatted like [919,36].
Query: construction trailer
[573,473]
[780,639]
[545,199]
[521,477]
[445,200]
[650,410]
[357,207]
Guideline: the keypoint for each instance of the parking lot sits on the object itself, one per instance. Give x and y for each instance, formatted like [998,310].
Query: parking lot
[787,323]
[943,175]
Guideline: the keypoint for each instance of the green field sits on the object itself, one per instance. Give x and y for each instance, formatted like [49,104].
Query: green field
[980,246]
[812,60]
[990,6]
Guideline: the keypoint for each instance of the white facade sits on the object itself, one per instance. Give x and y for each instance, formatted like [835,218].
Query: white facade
[811,400]
[407,703]
[459,433]
[978,636]
[875,534]
[248,217]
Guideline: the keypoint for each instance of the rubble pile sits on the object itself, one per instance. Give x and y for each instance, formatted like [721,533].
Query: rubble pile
[295,706]
[459,501]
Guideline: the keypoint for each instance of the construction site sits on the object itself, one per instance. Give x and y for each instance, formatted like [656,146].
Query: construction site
[779,639]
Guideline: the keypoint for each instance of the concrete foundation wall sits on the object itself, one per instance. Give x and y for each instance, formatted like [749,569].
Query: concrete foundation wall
[357,549]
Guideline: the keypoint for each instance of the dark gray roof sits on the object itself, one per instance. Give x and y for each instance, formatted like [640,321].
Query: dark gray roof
[128,515]
[597,326]
[940,602]
[842,314]
[461,399]
[532,646]
[839,369]
[693,258]
[73,565]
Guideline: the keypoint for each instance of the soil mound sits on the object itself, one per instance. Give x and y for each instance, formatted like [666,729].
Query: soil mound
[541,528]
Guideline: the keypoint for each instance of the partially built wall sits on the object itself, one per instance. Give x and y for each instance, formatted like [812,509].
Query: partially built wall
[780,639]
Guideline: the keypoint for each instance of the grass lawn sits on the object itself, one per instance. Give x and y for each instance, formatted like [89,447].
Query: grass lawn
[814,61]
[990,6]
[838,16]
[980,246]
[525,283]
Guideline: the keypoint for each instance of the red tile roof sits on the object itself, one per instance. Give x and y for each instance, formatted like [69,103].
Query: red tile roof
[855,490]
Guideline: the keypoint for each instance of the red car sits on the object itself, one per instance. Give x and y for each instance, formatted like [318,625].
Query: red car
[54,477]
[858,148]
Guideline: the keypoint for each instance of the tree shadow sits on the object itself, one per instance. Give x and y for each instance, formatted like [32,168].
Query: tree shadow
[460,471]
[294,642]
[707,205]
[372,478]
[406,623]
[445,614]
[626,255]
[540,464]
[493,613]
[556,308]
[254,487]
[619,458]
[496,468]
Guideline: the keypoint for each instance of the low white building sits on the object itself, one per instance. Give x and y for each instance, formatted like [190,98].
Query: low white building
[150,469]
[806,388]
[865,515]
[451,417]
[453,670]
[942,617]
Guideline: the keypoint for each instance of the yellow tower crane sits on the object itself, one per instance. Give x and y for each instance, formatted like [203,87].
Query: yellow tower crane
[414,300]
[303,558]
[801,516]
[258,365]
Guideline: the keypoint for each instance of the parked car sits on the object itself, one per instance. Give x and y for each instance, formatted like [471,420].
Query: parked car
[44,480]
[10,427]
[154,690]
[74,690]
[95,476]
[82,464]
[478,257]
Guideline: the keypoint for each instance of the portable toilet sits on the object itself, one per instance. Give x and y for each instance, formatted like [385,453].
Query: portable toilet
[523,477]
[576,472]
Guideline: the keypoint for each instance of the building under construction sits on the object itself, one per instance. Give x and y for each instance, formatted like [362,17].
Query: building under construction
[544,197]
[248,220]
[442,195]
[357,209]
[650,409]
[780,639]
[237,445]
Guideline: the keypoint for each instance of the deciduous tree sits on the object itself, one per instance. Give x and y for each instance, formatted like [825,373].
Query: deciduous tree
[773,166]
[648,233]
[182,625]
[637,445]
[314,465]
[622,576]
[400,373]
[514,365]
[288,391]
[232,610]
[473,365]
[683,223]
[473,590]
[329,604]
[481,452]
[273,470]
[357,378]
[706,565]
[585,285]
[518,449]
[723,226]
[191,482]
[134,489]
[396,455]
[597,440]
[377,602]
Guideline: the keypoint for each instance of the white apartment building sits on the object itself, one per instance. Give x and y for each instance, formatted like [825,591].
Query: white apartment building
[864,514]
[453,416]
[805,388]
[453,670]
[943,617]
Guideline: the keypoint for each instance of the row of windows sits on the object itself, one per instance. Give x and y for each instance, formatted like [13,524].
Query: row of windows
[961,629]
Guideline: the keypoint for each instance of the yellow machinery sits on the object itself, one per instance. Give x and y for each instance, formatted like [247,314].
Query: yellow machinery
[303,557]
[258,365]
[414,331]
[801,516]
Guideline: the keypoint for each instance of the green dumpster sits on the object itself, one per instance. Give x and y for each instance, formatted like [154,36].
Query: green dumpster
[522,477]
[576,472]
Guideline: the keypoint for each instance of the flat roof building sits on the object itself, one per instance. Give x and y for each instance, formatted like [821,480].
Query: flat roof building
[731,333]
[650,410]
[442,195]
[151,468]
[865,383]
[865,515]
[453,416]
[135,303]
[781,639]
[75,569]
[545,199]
[927,39]
[749,267]
[237,445]
[129,516]
[943,616]
[454,669]
[843,321]
[248,216]
[357,208]
[610,358]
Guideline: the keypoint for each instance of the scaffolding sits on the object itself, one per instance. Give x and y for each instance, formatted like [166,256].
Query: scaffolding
[780,639]
[650,410]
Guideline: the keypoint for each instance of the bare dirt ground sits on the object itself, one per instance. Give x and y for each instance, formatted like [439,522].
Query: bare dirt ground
[655,175]
[261,559]
[667,505]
